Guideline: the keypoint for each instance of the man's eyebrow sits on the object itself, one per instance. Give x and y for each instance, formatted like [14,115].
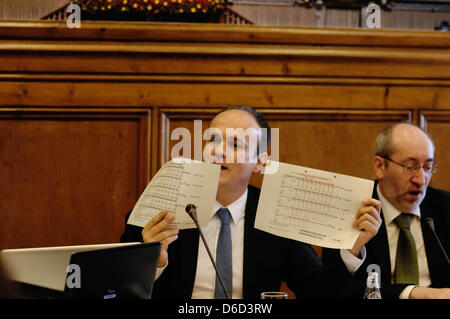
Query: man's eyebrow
[415,159]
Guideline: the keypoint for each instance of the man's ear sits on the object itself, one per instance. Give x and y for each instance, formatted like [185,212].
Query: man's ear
[262,160]
[379,166]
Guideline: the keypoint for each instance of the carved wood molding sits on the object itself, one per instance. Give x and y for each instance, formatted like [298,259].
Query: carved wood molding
[217,33]
[220,51]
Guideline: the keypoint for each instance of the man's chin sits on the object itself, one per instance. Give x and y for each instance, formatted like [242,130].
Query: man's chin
[225,181]
[223,173]
[410,206]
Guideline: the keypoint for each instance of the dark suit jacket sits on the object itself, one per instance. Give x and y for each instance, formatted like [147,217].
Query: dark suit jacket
[436,205]
[268,260]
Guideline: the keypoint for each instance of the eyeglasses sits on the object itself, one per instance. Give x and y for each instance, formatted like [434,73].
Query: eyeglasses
[413,168]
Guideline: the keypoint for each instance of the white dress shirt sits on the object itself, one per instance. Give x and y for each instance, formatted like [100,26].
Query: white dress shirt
[390,213]
[205,278]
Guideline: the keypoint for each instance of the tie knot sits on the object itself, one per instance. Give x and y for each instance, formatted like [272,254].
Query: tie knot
[224,215]
[403,221]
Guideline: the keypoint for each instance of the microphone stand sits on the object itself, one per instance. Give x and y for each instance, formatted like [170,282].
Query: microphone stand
[430,223]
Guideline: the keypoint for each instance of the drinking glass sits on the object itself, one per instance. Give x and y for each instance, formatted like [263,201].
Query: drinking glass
[274,295]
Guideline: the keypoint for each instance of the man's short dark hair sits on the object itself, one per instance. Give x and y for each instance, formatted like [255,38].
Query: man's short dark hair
[259,119]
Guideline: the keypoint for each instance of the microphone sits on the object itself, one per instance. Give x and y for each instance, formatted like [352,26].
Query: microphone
[430,224]
[191,210]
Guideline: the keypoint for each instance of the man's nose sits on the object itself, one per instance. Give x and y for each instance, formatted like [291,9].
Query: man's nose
[420,177]
[218,152]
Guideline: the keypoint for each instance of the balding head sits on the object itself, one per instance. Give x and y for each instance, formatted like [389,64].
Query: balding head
[398,134]
[399,148]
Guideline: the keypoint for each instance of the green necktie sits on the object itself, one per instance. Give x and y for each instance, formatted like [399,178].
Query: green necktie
[406,264]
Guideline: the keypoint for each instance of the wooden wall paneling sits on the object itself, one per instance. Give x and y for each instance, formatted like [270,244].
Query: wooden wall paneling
[192,94]
[419,96]
[155,145]
[69,176]
[437,124]
[234,59]
[205,91]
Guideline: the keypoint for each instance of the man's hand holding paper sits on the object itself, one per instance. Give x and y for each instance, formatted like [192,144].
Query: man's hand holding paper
[178,183]
[157,229]
[367,221]
[160,208]
[318,207]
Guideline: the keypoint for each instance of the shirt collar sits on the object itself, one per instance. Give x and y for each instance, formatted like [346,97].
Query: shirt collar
[236,208]
[389,211]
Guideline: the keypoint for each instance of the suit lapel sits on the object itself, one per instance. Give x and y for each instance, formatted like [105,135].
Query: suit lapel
[250,213]
[436,262]
[437,265]
[188,265]
[379,246]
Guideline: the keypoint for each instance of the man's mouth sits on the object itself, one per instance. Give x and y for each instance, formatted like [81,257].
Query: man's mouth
[414,194]
[222,167]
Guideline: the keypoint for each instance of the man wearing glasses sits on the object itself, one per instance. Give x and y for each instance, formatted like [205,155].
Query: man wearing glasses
[411,261]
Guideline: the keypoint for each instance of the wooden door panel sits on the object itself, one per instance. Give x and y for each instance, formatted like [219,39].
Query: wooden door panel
[437,124]
[69,176]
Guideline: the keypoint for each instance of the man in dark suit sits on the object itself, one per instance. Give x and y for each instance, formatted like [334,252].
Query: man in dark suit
[260,261]
[404,164]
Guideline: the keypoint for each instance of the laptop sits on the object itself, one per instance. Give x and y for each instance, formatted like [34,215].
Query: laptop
[45,272]
[113,273]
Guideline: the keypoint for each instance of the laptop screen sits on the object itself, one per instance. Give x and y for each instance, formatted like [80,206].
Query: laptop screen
[120,272]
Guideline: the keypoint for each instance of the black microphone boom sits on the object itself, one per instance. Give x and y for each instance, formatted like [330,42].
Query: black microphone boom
[191,210]
[430,223]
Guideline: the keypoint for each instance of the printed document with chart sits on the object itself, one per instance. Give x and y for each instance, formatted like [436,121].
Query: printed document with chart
[176,184]
[312,206]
